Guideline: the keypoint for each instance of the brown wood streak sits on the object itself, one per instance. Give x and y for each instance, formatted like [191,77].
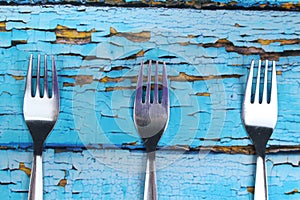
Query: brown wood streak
[3,27]
[250,189]
[204,94]
[62,182]
[65,35]
[292,192]
[143,36]
[27,170]
[18,78]
[229,46]
[79,80]
[246,150]
[182,77]
[110,89]
[203,4]
[249,149]
[281,41]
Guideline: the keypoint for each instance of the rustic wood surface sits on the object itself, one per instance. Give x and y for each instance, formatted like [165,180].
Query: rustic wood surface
[94,151]
[290,5]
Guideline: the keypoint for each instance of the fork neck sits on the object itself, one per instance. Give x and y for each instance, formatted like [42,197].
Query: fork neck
[259,137]
[39,131]
[151,142]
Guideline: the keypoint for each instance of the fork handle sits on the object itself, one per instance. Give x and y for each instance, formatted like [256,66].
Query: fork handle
[36,179]
[261,186]
[150,191]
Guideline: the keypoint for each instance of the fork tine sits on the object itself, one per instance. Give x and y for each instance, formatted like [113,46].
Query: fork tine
[139,86]
[29,77]
[273,98]
[46,93]
[265,90]
[165,91]
[148,87]
[155,100]
[54,79]
[256,97]
[248,92]
[38,92]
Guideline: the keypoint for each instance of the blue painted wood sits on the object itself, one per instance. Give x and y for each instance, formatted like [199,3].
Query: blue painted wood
[92,114]
[202,4]
[118,174]
[208,54]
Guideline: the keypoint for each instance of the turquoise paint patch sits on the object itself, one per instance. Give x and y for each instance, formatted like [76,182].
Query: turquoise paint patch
[5,39]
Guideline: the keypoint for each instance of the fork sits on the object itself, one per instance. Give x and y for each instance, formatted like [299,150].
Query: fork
[151,119]
[260,119]
[40,113]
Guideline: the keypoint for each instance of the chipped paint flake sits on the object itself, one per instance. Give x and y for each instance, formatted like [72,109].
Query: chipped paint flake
[62,182]
[2,26]
[25,169]
[18,78]
[281,41]
[250,189]
[143,36]
[292,192]
[67,35]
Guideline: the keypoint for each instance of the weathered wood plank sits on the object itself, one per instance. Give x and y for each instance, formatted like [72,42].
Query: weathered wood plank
[291,5]
[118,174]
[98,55]
[94,151]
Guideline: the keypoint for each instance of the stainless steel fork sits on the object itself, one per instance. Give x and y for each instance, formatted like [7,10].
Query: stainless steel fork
[151,119]
[40,113]
[260,119]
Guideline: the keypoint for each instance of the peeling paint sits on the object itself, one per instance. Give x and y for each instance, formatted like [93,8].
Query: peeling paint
[25,169]
[67,35]
[110,89]
[2,26]
[250,189]
[98,67]
[289,6]
[204,94]
[143,36]
[71,175]
[182,77]
[281,41]
[79,80]
[199,4]
[292,192]
[62,182]
[18,78]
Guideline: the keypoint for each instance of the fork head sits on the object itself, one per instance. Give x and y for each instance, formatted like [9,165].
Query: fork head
[151,116]
[40,110]
[261,112]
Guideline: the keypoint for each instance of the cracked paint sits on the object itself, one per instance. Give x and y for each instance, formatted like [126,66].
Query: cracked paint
[293,192]
[281,41]
[2,26]
[70,174]
[25,169]
[199,4]
[62,182]
[98,55]
[143,36]
[182,77]
[65,35]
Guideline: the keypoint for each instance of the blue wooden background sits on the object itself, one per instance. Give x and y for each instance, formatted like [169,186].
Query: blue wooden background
[289,5]
[94,151]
